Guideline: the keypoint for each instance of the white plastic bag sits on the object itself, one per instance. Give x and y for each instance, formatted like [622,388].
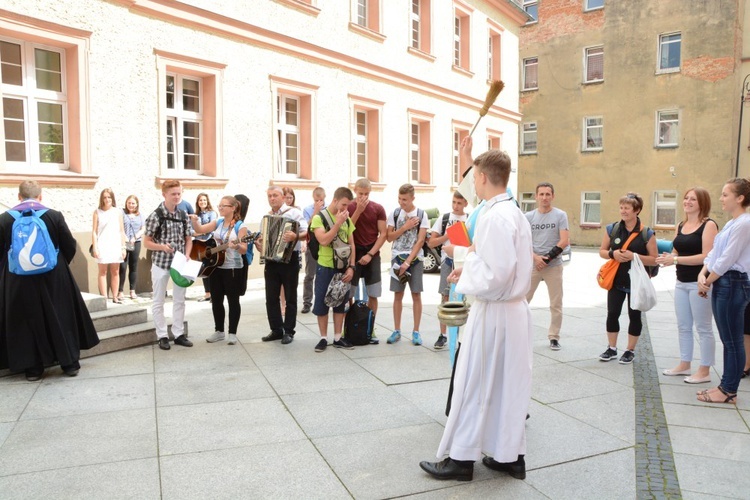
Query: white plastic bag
[642,291]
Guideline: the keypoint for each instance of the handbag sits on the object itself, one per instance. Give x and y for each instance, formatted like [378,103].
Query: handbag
[642,291]
[129,246]
[91,250]
[606,275]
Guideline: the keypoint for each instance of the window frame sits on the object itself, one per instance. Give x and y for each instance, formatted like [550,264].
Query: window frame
[586,57]
[422,148]
[283,131]
[524,132]
[494,139]
[459,131]
[588,8]
[178,117]
[665,205]
[524,66]
[527,200]
[585,139]
[372,110]
[373,19]
[307,113]
[659,49]
[527,4]
[657,131]
[494,52]
[462,39]
[585,202]
[424,30]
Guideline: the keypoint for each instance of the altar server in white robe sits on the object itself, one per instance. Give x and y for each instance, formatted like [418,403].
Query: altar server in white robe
[492,385]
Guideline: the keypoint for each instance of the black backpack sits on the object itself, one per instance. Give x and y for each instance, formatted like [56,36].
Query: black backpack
[446,216]
[359,324]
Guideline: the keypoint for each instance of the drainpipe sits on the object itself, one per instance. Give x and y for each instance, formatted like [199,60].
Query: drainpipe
[743,97]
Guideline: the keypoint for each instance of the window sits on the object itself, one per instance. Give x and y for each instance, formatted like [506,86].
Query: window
[294,132]
[593,133]
[493,55]
[530,74]
[593,4]
[669,53]
[366,14]
[365,138]
[184,122]
[35,110]
[528,138]
[494,139]
[528,202]
[591,207]
[419,24]
[667,128]
[461,37]
[362,12]
[419,147]
[532,8]
[593,64]
[459,166]
[665,213]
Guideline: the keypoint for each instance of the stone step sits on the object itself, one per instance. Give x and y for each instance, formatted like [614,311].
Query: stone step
[126,337]
[94,303]
[119,316]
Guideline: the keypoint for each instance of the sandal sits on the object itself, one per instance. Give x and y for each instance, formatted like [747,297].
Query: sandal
[730,397]
[745,373]
[133,294]
[120,296]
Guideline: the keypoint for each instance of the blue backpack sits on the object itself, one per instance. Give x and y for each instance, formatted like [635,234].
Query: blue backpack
[31,249]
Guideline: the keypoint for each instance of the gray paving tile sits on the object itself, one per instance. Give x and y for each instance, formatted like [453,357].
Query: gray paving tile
[361,411]
[5,429]
[281,470]
[423,365]
[202,357]
[723,418]
[611,413]
[609,475]
[74,397]
[91,481]
[336,372]
[70,441]
[546,386]
[13,400]
[611,370]
[227,424]
[117,364]
[179,388]
[692,495]
[708,475]
[710,443]
[430,397]
[301,350]
[498,487]
[553,437]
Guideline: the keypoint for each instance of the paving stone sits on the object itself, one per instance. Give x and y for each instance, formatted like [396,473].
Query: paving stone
[337,372]
[179,388]
[13,400]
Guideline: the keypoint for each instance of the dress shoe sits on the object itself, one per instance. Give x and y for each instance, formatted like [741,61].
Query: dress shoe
[164,344]
[305,309]
[448,469]
[676,373]
[183,341]
[272,336]
[34,375]
[287,339]
[72,369]
[516,469]
[697,380]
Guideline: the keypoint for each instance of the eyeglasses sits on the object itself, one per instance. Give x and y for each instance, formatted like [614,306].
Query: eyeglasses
[225,206]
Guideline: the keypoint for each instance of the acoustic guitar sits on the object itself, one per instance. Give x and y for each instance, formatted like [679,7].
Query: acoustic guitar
[211,255]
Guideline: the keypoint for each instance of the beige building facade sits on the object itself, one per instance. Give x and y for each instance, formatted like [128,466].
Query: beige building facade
[636,96]
[232,96]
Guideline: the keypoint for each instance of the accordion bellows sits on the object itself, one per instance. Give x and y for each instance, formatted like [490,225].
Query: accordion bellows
[273,247]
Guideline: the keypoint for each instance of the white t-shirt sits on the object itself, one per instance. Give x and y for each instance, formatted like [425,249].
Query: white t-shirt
[437,229]
[405,243]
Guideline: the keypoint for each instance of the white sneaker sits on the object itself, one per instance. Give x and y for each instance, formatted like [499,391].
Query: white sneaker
[232,339]
[216,337]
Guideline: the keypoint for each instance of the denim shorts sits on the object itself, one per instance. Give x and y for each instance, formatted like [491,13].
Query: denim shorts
[323,277]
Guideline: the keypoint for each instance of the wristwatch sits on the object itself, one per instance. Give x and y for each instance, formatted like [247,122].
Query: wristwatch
[675,260]
[352,268]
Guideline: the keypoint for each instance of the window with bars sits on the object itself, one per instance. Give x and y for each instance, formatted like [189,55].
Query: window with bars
[184,122]
[669,53]
[593,133]
[34,104]
[530,74]
[667,128]
[665,212]
[528,138]
[591,207]
[594,64]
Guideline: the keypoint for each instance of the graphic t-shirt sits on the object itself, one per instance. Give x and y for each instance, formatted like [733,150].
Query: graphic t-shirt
[545,231]
[405,243]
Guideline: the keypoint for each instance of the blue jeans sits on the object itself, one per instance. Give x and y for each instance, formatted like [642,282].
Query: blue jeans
[694,311]
[731,294]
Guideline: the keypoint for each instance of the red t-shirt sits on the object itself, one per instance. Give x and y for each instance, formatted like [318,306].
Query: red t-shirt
[367,224]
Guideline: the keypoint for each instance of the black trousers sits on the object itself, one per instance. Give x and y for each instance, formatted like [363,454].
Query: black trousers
[280,276]
[131,261]
[226,283]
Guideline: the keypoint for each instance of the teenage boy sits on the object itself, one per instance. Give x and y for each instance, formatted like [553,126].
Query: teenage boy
[342,228]
[492,388]
[310,211]
[549,228]
[168,229]
[370,220]
[407,228]
[438,236]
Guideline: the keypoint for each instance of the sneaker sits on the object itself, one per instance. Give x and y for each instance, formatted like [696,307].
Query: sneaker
[342,343]
[216,337]
[306,309]
[164,344]
[442,339]
[608,355]
[627,357]
[374,340]
[395,337]
[321,345]
[554,345]
[416,339]
[232,339]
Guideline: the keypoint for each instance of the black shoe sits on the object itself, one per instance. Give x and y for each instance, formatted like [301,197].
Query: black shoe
[306,309]
[183,341]
[272,336]
[608,355]
[342,343]
[321,345]
[554,345]
[71,370]
[287,339]
[34,374]
[516,469]
[164,344]
[442,339]
[627,357]
[448,469]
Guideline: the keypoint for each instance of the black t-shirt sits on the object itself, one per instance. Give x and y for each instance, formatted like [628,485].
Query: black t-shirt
[687,245]
[638,245]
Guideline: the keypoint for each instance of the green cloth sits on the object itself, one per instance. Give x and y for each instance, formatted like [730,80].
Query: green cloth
[325,253]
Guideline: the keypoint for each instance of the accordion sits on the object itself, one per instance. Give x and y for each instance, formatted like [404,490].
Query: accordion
[273,247]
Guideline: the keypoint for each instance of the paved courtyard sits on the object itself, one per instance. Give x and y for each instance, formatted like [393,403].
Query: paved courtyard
[262,420]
